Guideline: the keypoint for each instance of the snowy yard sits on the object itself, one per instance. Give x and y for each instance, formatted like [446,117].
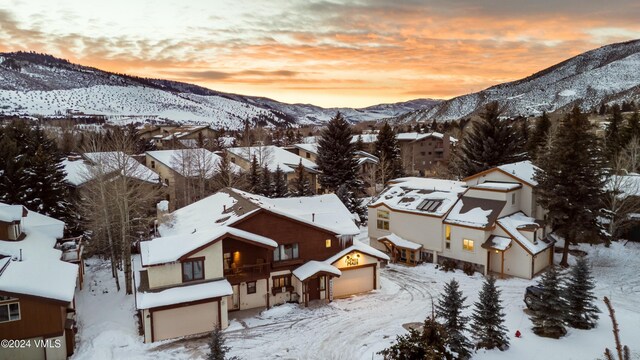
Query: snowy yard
[359,327]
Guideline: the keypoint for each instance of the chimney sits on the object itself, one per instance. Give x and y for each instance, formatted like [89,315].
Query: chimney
[20,255]
[313,217]
[224,208]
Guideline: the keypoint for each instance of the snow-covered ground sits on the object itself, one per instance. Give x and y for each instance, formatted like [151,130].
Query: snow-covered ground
[360,326]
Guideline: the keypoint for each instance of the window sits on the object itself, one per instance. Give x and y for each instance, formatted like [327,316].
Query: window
[281,281]
[513,199]
[467,245]
[327,243]
[308,155]
[193,270]
[10,312]
[447,232]
[153,164]
[383,220]
[430,205]
[251,287]
[285,252]
[166,182]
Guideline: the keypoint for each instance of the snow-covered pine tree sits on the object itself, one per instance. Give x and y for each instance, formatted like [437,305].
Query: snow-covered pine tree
[582,313]
[300,185]
[253,179]
[359,143]
[551,308]
[387,149]
[13,176]
[570,181]
[266,184]
[217,348]
[488,318]
[491,142]
[430,343]
[449,309]
[338,165]
[538,137]
[279,183]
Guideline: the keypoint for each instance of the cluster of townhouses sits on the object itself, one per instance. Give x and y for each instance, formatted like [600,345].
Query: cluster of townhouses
[234,250]
[489,222]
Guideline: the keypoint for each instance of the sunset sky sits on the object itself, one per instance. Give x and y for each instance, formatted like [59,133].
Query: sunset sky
[329,53]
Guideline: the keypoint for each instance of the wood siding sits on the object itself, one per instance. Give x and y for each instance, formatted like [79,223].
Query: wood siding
[310,240]
[37,318]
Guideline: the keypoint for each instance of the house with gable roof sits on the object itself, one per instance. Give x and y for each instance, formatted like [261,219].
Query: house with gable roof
[490,223]
[235,250]
[37,285]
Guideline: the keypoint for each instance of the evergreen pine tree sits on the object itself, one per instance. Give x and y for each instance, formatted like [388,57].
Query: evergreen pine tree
[449,309]
[430,343]
[434,125]
[217,348]
[490,143]
[581,310]
[279,183]
[254,175]
[538,137]
[488,318]
[266,184]
[548,318]
[338,165]
[13,179]
[359,143]
[613,134]
[570,181]
[388,151]
[300,185]
[632,129]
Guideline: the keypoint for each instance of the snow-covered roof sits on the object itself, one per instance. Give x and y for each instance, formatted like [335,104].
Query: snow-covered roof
[366,138]
[414,136]
[497,186]
[10,213]
[497,243]
[313,267]
[523,170]
[514,223]
[170,248]
[183,294]
[361,247]
[308,147]
[323,211]
[190,162]
[41,272]
[625,185]
[400,242]
[420,195]
[475,212]
[79,172]
[273,157]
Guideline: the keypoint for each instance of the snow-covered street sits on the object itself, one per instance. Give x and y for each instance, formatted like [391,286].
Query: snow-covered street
[359,327]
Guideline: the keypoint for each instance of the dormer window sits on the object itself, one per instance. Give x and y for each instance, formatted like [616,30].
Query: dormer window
[193,270]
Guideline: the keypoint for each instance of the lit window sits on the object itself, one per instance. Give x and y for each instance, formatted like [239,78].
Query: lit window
[327,243]
[447,232]
[467,245]
[383,220]
[10,312]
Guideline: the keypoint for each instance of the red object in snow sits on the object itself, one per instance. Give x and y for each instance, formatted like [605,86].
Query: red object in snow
[518,334]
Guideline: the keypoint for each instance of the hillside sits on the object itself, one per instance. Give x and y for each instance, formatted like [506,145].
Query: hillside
[38,84]
[607,74]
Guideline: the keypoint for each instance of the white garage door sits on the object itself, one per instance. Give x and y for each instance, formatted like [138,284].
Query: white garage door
[354,281]
[186,320]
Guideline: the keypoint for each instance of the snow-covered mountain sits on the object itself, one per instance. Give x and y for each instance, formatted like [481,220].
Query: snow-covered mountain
[38,84]
[607,74]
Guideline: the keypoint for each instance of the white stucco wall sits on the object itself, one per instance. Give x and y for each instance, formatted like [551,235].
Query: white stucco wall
[477,256]
[258,299]
[421,229]
[171,274]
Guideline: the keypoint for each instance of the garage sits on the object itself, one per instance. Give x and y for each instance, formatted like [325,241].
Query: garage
[354,280]
[184,320]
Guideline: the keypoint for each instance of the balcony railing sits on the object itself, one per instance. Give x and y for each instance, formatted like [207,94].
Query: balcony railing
[244,273]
